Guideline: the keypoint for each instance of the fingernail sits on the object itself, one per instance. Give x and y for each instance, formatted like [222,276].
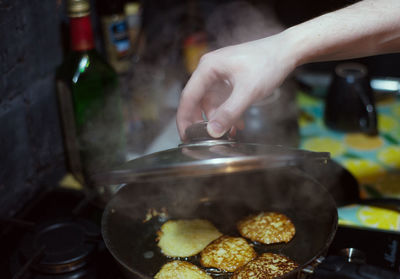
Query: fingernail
[215,129]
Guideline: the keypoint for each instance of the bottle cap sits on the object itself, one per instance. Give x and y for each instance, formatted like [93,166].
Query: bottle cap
[132,8]
[78,8]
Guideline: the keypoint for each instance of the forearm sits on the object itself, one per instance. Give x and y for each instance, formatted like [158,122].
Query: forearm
[366,28]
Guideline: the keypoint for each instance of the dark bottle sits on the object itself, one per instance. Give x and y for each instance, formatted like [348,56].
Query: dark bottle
[350,104]
[89,101]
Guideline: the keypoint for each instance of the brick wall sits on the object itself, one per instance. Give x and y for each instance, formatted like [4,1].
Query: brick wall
[31,150]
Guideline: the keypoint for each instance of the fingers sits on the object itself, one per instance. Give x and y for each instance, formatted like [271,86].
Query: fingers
[222,97]
[229,113]
[190,109]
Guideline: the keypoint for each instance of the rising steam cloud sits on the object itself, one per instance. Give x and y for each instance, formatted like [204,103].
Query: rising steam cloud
[239,22]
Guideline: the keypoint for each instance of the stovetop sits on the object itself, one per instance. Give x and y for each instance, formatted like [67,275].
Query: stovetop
[58,237]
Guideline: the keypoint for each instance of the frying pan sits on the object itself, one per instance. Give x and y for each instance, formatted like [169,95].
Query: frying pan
[223,199]
[224,181]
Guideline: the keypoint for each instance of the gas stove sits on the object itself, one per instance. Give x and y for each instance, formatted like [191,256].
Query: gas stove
[361,253]
[58,237]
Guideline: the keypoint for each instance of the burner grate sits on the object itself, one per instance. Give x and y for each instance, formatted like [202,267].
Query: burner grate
[65,245]
[57,236]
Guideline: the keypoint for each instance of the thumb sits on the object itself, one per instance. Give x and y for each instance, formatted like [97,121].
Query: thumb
[228,113]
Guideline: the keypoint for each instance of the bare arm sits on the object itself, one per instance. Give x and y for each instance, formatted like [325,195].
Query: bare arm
[230,79]
[366,28]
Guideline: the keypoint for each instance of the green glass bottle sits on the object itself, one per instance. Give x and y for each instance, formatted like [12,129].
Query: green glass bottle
[89,101]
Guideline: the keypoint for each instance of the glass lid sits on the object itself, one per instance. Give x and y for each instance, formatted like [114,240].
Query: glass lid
[205,156]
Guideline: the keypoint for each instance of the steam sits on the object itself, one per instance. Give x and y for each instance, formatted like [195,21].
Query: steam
[156,80]
[239,22]
[151,97]
[274,120]
[151,90]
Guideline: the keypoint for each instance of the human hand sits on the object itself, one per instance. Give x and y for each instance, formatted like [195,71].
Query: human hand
[227,81]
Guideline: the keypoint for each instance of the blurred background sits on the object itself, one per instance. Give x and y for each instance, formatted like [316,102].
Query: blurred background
[161,46]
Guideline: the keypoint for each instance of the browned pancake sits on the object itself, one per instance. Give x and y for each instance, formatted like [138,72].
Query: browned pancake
[227,253]
[267,228]
[181,269]
[266,266]
[185,238]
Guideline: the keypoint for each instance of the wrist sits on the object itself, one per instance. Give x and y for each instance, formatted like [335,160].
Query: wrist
[295,47]
[285,53]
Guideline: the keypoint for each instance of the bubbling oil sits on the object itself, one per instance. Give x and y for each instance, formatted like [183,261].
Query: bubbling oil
[149,258]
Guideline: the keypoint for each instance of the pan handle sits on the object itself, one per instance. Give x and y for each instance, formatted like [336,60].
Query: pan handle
[337,267]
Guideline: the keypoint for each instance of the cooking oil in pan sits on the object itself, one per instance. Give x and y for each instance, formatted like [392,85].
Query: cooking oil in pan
[148,258]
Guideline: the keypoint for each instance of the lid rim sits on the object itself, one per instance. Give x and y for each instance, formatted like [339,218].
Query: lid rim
[200,168]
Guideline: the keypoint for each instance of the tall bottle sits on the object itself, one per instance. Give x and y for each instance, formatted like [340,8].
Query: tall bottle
[89,101]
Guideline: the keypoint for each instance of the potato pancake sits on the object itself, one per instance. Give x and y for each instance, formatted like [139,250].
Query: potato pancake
[267,228]
[227,253]
[181,270]
[185,238]
[266,266]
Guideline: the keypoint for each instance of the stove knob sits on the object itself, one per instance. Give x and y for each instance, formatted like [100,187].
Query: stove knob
[353,255]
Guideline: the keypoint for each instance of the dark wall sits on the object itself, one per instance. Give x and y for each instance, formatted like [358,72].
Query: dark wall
[31,150]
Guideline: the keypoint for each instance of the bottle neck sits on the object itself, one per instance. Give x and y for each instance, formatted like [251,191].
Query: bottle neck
[81,33]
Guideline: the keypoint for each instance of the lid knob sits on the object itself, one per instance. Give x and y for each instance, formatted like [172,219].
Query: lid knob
[198,132]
